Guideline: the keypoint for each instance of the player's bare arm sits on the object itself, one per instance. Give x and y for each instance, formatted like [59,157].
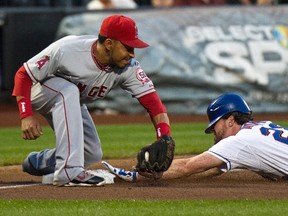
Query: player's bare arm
[161,118]
[184,167]
[204,164]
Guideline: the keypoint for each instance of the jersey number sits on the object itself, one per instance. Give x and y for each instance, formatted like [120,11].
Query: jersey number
[42,62]
[277,132]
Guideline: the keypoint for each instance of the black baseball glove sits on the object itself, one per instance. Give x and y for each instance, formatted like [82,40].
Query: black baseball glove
[156,158]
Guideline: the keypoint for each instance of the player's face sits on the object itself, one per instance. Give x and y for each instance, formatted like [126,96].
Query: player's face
[120,54]
[220,130]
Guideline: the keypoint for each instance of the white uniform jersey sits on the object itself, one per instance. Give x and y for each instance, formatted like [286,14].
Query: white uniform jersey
[258,146]
[72,59]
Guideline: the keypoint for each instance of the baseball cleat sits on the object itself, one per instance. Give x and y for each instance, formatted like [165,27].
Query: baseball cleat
[121,173]
[91,178]
[86,179]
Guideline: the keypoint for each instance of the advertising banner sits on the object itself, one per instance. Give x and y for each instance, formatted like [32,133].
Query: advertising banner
[198,53]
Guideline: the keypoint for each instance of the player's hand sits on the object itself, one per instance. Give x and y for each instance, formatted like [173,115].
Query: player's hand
[31,128]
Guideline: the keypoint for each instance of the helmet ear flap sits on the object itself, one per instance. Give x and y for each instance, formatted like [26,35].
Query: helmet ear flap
[223,105]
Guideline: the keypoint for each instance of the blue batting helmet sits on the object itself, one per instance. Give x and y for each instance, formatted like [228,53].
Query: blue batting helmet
[223,105]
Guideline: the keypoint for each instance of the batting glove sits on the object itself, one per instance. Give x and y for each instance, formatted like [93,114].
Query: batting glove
[126,175]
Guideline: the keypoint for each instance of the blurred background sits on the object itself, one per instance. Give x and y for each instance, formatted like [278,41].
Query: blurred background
[198,50]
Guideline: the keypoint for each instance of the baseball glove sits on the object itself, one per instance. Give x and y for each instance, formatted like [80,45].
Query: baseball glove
[156,158]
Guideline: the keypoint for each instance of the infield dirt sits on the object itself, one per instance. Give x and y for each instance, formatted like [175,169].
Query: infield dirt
[231,185]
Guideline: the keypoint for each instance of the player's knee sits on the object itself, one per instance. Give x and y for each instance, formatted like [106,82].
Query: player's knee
[71,91]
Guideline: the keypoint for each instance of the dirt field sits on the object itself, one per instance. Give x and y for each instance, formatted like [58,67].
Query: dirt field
[14,184]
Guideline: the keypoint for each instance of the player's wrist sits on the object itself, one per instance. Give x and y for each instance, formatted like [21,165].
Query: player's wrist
[163,129]
[25,107]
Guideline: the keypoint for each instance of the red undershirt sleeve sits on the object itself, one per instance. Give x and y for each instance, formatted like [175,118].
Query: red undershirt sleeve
[22,83]
[152,103]
[22,87]
[154,106]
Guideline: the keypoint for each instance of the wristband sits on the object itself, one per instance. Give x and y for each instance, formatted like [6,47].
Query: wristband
[25,107]
[162,129]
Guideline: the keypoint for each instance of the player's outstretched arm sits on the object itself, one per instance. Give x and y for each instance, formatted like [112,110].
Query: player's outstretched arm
[204,163]
[183,167]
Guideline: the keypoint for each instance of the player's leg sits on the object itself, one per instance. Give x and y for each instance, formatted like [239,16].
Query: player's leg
[59,99]
[40,163]
[92,145]
[68,129]
[43,162]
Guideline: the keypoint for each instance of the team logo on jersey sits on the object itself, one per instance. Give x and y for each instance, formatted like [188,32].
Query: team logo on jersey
[40,63]
[141,76]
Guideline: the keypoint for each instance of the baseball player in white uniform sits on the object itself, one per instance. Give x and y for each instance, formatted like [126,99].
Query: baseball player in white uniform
[240,143]
[61,79]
